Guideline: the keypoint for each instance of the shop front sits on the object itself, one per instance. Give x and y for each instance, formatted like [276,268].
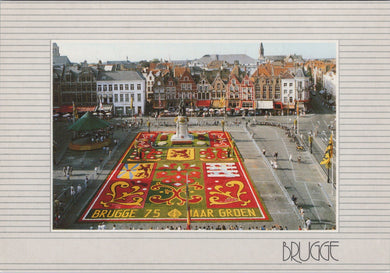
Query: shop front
[264,106]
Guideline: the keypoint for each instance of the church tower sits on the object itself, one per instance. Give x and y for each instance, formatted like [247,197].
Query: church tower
[261,52]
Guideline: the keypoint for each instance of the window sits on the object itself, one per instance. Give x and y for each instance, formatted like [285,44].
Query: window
[127,97]
[121,97]
[99,88]
[285,84]
[127,86]
[285,91]
[139,97]
[110,87]
[291,99]
[115,87]
[121,87]
[116,97]
[132,97]
[131,86]
[104,87]
[138,86]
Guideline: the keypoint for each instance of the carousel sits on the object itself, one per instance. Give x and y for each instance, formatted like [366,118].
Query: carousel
[90,133]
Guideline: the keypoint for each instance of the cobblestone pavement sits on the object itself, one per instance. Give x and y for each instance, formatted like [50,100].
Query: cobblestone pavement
[305,180]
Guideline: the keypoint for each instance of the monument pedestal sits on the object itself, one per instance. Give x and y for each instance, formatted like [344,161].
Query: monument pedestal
[182,136]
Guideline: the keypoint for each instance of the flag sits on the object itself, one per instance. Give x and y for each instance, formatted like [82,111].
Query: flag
[74,112]
[188,218]
[328,153]
[188,206]
[131,102]
[297,108]
[222,102]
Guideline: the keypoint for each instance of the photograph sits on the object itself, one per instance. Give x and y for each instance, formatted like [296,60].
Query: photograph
[194,135]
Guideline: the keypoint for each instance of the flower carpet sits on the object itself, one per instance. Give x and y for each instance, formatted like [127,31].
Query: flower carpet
[149,182]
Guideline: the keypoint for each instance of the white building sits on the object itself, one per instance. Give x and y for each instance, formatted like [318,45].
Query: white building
[329,81]
[288,90]
[121,89]
[301,86]
[150,78]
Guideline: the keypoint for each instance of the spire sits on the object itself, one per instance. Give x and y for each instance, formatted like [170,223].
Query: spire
[261,52]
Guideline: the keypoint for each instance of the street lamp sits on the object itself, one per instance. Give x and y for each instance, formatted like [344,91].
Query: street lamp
[187,198]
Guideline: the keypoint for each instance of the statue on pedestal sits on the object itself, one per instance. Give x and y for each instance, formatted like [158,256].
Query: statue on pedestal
[182,135]
[182,108]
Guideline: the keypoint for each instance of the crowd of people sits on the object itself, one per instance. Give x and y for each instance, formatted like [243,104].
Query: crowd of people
[103,226]
[209,227]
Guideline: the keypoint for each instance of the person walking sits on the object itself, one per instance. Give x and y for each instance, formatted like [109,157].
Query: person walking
[302,212]
[290,158]
[86,181]
[78,189]
[72,192]
[308,223]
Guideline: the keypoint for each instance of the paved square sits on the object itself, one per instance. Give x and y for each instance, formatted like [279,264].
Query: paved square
[149,182]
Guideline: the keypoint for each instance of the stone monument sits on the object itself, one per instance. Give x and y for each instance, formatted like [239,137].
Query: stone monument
[182,136]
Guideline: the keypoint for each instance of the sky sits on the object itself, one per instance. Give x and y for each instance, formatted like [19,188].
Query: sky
[93,51]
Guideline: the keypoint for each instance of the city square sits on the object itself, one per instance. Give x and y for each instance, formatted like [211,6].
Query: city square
[241,165]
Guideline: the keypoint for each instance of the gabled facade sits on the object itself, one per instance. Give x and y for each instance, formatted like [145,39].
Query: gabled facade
[247,93]
[301,86]
[159,93]
[149,77]
[218,93]
[204,90]
[74,84]
[233,92]
[186,89]
[171,92]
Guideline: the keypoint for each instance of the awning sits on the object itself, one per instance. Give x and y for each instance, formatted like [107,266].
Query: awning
[69,109]
[265,104]
[85,109]
[106,108]
[203,103]
[278,105]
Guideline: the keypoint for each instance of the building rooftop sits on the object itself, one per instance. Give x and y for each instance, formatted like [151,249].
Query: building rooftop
[121,76]
[229,58]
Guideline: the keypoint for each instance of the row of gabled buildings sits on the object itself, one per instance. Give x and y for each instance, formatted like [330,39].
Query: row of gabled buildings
[124,88]
[269,88]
